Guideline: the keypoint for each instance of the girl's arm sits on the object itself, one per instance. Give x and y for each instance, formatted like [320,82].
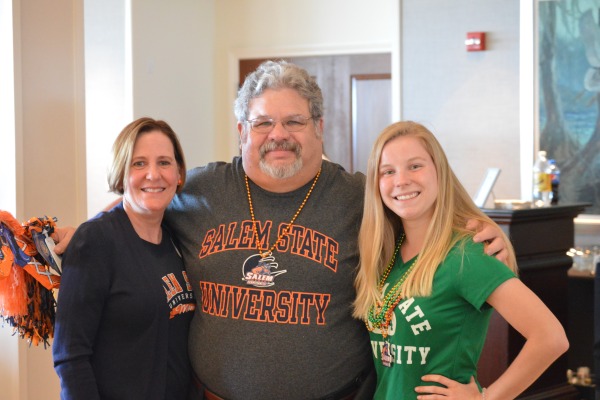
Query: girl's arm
[545,342]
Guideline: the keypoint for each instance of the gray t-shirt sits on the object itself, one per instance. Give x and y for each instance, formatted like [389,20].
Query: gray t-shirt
[281,326]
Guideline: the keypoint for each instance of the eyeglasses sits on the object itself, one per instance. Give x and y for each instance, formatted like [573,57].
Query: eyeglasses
[291,124]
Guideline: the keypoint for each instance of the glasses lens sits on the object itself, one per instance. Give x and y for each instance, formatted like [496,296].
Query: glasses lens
[295,124]
[261,125]
[290,124]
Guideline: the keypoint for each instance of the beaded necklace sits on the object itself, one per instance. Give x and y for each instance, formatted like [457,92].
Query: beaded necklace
[286,229]
[380,314]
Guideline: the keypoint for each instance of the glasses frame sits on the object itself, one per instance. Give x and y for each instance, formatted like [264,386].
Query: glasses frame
[275,121]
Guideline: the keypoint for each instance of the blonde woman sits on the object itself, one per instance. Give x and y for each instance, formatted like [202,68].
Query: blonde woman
[426,290]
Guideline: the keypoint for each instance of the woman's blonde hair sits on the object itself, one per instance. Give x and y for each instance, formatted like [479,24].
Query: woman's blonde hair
[122,151]
[380,227]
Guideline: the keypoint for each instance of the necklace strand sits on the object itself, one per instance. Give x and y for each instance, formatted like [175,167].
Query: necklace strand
[380,314]
[287,228]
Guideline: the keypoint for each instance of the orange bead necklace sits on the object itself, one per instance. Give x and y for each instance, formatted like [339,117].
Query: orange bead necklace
[287,228]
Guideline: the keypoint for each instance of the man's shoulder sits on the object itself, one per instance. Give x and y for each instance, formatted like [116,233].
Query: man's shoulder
[211,175]
[210,169]
[340,188]
[338,173]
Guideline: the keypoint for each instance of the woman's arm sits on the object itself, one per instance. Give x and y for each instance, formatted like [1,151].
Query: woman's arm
[545,342]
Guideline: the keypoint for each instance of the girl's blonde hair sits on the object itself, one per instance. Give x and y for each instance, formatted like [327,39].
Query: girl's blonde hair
[380,227]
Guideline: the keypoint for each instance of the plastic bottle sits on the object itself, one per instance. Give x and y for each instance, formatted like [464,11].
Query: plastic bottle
[542,185]
[555,180]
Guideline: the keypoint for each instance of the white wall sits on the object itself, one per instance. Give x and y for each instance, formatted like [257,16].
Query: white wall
[10,164]
[108,105]
[8,140]
[470,100]
[173,46]
[147,58]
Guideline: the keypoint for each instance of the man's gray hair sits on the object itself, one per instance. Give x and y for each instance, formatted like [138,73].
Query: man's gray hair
[279,75]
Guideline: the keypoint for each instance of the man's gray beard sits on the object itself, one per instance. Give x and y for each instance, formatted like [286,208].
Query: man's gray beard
[283,171]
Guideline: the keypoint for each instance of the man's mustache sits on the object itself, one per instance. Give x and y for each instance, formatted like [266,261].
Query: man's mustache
[279,146]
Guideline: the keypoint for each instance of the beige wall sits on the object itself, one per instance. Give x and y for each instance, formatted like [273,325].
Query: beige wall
[50,108]
[49,134]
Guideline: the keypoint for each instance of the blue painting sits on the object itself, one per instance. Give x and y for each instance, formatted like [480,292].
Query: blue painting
[569,94]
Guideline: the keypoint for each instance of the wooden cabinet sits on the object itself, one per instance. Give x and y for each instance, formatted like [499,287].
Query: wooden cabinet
[581,325]
[541,238]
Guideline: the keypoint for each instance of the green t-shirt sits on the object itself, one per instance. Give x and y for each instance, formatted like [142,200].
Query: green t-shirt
[443,333]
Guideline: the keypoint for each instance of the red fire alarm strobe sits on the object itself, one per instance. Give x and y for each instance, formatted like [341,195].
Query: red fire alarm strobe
[475,41]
